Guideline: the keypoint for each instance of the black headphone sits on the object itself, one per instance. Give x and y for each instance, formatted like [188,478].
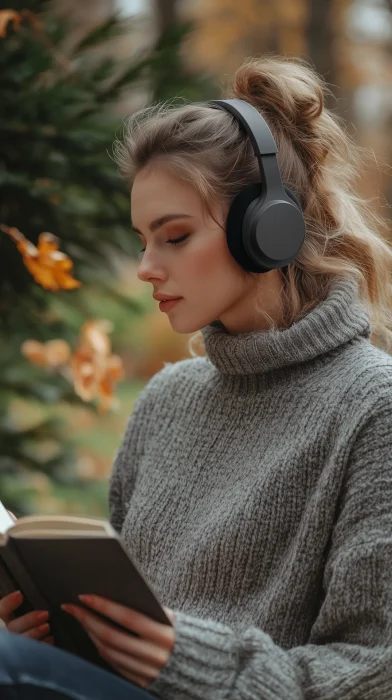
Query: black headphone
[268,213]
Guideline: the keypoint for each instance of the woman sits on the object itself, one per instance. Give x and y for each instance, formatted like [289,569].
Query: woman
[254,485]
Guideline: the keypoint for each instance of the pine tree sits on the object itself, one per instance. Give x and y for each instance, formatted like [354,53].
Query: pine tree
[56,175]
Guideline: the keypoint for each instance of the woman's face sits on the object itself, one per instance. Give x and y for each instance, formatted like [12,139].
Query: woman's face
[199,269]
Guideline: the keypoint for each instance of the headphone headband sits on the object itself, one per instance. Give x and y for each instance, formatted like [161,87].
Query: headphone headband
[265,227]
[264,146]
[254,124]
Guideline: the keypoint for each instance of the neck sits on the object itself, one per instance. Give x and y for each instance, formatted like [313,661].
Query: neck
[339,318]
[246,316]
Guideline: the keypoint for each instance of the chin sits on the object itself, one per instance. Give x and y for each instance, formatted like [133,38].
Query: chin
[186,326]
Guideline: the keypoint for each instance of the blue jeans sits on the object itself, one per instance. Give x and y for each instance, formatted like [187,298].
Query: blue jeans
[32,670]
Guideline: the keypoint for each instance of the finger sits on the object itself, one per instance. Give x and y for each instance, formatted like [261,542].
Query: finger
[8,604]
[48,640]
[38,633]
[28,621]
[137,622]
[109,636]
[11,514]
[125,661]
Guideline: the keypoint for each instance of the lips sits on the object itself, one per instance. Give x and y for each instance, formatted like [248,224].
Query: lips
[169,304]
[161,297]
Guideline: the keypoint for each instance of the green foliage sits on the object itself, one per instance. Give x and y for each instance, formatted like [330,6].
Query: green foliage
[171,77]
[56,174]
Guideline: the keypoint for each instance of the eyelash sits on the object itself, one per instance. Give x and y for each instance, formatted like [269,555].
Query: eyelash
[173,241]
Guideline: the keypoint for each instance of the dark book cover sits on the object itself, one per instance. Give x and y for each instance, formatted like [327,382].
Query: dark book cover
[51,570]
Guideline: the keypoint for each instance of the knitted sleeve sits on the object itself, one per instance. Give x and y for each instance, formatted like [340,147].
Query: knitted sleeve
[125,465]
[349,652]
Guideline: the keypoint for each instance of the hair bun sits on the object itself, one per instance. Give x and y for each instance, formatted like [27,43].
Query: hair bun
[288,92]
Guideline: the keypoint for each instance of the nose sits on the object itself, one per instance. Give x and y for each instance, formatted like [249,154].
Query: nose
[149,268]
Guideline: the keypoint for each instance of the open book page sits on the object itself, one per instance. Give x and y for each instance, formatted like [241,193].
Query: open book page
[60,526]
[5,519]
[37,532]
[53,525]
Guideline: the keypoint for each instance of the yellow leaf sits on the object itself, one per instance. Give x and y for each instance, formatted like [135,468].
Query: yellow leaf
[7,16]
[50,268]
[33,351]
[94,335]
[57,352]
[47,242]
[53,354]
[94,369]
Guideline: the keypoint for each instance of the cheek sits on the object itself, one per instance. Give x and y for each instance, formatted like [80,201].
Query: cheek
[210,259]
[216,266]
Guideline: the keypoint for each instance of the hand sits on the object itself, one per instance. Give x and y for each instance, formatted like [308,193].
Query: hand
[12,515]
[33,624]
[139,659]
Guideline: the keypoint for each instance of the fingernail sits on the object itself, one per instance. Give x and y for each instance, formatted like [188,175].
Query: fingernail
[44,628]
[17,595]
[42,616]
[67,608]
[89,599]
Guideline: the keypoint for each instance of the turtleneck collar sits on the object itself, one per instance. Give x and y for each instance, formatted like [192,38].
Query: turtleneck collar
[334,321]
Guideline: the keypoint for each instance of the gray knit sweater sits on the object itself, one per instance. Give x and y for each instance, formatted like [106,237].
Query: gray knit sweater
[254,487]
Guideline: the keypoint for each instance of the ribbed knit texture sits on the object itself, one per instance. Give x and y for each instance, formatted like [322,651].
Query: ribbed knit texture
[254,488]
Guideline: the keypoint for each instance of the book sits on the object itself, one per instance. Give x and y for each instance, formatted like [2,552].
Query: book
[52,559]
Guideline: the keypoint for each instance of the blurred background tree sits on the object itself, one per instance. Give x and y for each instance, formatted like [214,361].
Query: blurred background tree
[349,42]
[57,124]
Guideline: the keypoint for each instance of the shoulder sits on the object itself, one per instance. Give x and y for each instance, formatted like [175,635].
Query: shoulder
[365,377]
[370,369]
[179,374]
[175,378]
[161,395]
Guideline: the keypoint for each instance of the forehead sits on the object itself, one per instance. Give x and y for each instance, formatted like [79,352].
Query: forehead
[156,192]
[156,188]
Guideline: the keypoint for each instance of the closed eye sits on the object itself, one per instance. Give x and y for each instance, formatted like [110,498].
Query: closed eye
[173,241]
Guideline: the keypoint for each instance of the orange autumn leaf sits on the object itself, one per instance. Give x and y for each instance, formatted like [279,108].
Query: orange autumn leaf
[94,369]
[49,267]
[84,373]
[94,335]
[114,373]
[51,354]
[7,16]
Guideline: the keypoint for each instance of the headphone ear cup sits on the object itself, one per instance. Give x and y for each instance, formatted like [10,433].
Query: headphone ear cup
[293,197]
[234,225]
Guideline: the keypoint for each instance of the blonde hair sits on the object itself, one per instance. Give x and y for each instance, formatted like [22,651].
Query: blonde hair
[318,161]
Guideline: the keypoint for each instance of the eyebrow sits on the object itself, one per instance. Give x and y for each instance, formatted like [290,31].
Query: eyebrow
[157,223]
